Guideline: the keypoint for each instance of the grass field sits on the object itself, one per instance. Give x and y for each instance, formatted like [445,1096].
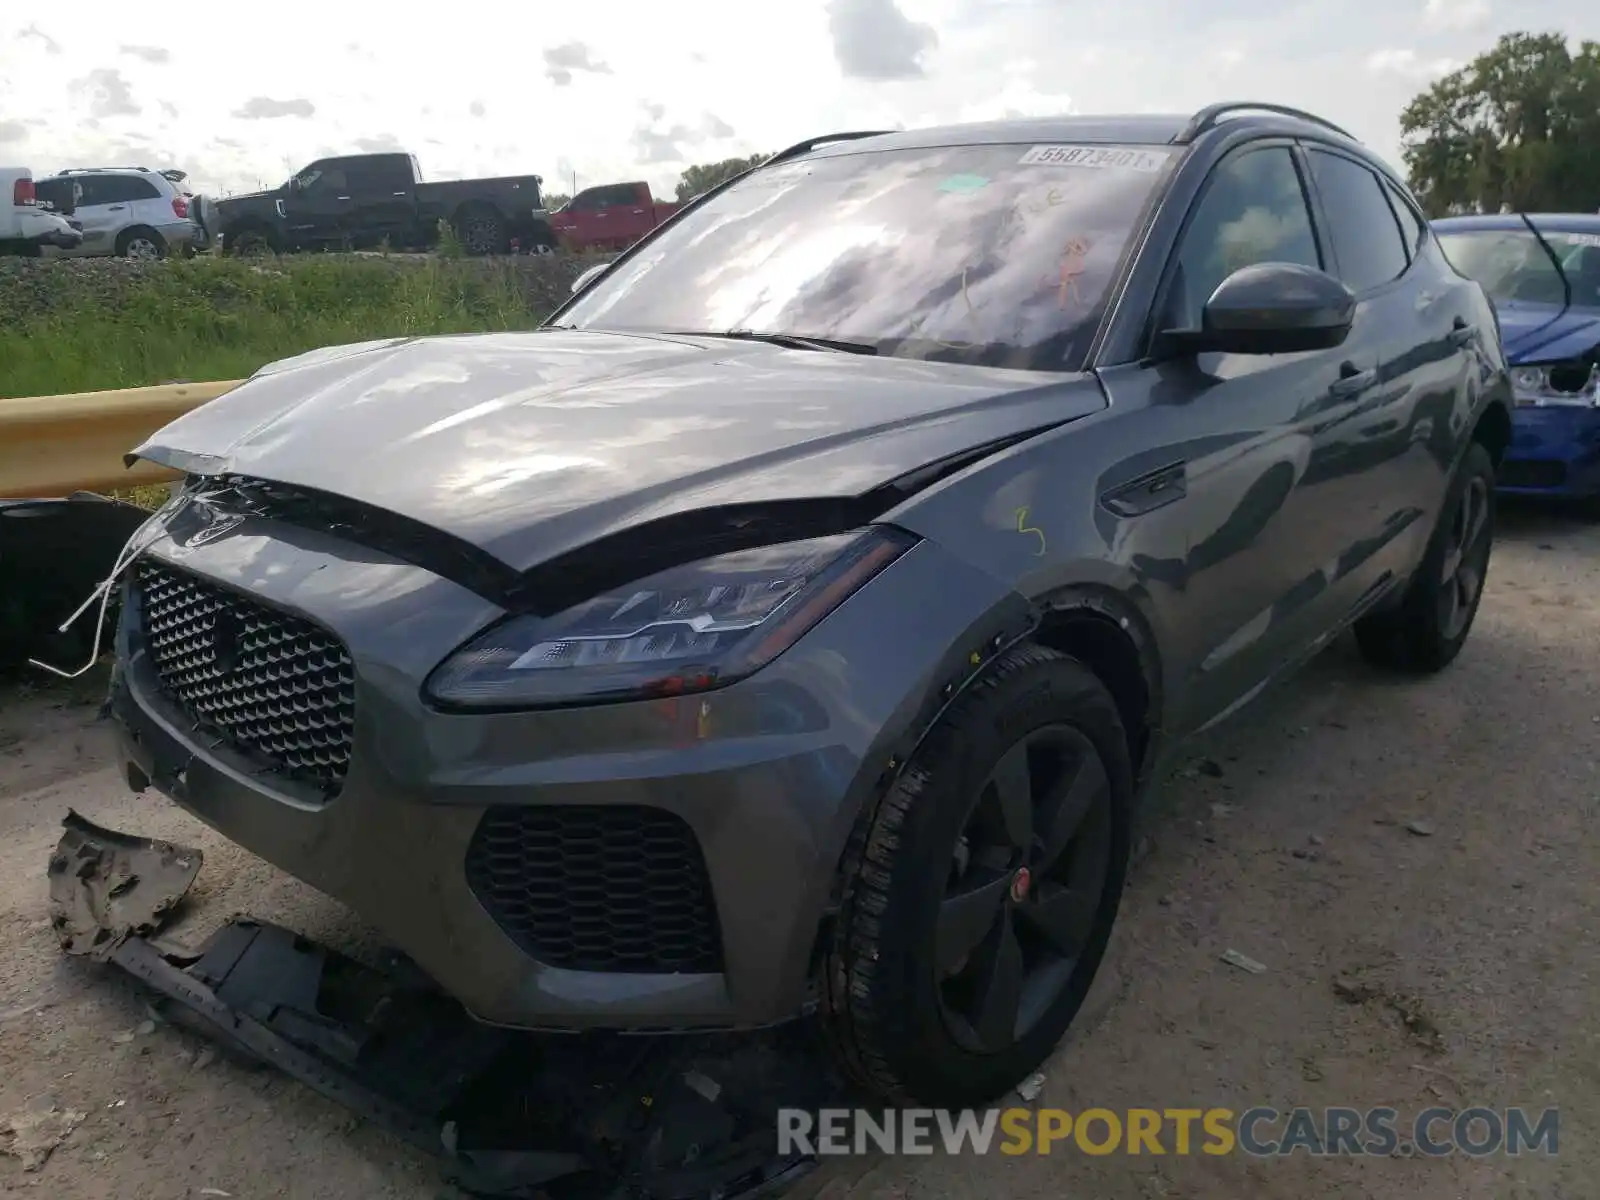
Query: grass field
[69,326]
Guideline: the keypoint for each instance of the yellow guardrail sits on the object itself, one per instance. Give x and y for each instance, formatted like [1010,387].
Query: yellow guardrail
[52,445]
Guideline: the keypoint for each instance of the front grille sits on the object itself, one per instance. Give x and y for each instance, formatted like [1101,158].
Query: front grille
[271,686]
[1532,473]
[598,888]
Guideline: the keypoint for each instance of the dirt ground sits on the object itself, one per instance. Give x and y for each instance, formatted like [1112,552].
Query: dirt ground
[1435,842]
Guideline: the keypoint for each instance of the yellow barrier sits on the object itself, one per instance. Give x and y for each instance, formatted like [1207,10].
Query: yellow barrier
[52,445]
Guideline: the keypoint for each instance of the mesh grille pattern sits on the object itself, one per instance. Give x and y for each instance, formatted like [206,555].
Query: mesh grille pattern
[270,685]
[598,888]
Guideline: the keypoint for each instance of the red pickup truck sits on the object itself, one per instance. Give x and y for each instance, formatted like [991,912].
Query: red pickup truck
[610,217]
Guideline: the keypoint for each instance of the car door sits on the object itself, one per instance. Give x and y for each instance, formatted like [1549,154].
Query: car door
[383,199]
[102,211]
[1376,449]
[1220,520]
[319,209]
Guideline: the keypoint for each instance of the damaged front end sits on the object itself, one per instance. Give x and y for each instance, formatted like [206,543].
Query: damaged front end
[508,1114]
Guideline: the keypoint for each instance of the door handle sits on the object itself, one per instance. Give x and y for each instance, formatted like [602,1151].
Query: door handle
[1352,381]
[1461,332]
[341,197]
[116,207]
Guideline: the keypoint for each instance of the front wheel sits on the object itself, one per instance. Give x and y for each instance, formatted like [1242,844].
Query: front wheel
[981,892]
[1428,628]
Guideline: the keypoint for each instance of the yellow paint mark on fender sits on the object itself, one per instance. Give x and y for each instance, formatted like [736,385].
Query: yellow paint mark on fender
[1023,527]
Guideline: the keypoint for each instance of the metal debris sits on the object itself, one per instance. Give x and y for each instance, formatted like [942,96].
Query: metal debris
[1030,1088]
[1420,828]
[1245,963]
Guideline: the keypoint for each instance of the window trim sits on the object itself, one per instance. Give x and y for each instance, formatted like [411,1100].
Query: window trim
[1306,148]
[1319,235]
[1398,198]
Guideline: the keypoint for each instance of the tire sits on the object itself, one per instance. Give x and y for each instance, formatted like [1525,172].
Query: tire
[249,242]
[141,243]
[1427,629]
[482,231]
[903,1016]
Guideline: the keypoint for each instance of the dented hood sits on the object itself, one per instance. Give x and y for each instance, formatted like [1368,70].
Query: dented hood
[1536,333]
[528,445]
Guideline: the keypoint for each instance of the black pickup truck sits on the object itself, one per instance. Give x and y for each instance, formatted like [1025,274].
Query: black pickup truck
[361,201]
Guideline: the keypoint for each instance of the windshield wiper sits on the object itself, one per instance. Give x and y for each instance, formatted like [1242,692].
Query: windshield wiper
[1555,261]
[792,341]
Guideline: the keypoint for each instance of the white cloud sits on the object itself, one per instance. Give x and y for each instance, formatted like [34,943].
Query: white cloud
[1455,15]
[1409,65]
[638,91]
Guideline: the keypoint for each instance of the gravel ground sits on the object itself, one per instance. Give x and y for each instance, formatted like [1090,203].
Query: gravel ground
[1431,844]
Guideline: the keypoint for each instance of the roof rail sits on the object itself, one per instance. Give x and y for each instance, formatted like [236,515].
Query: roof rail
[810,144]
[92,170]
[1211,115]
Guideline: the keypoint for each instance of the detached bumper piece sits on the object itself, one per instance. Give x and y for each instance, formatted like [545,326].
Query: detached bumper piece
[510,1114]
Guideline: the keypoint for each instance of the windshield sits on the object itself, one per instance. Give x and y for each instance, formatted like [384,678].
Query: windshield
[1512,265]
[999,255]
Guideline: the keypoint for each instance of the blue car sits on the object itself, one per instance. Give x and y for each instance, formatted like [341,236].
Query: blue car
[1543,273]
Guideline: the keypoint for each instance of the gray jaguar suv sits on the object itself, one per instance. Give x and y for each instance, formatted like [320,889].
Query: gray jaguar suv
[788,627]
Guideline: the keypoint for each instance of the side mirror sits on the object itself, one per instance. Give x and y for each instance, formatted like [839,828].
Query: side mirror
[1270,308]
[587,276]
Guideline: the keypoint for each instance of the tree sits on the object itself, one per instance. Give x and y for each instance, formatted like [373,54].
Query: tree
[1517,129]
[707,175]
[555,200]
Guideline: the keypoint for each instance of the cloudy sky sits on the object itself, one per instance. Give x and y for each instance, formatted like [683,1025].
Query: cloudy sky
[240,97]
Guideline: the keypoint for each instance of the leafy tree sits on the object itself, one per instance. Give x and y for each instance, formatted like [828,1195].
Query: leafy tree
[707,175]
[1516,129]
[555,200]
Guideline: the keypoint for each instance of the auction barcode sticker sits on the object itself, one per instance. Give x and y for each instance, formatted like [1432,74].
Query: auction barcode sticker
[1095,157]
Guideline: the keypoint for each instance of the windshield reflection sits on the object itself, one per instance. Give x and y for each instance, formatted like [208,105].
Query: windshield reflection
[997,255]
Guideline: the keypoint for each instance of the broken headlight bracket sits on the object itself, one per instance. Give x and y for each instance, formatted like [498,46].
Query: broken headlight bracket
[509,1114]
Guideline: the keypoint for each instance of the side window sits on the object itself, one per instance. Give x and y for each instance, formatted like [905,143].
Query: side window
[92,190]
[1253,211]
[620,194]
[1411,227]
[329,179]
[586,200]
[1366,237]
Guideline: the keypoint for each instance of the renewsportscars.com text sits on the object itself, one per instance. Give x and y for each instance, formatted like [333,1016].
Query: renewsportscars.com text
[1260,1132]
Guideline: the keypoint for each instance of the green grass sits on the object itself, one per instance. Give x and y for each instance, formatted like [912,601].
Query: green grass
[93,324]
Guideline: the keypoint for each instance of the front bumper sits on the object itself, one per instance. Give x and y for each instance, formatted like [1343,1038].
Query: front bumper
[767,776]
[1555,451]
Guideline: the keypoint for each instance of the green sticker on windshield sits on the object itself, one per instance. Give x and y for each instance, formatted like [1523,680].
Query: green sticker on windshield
[963,184]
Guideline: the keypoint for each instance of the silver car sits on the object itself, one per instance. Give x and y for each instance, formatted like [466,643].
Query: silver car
[129,212]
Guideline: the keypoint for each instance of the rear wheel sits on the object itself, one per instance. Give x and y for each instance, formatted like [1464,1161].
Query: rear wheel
[1430,625]
[980,894]
[482,231]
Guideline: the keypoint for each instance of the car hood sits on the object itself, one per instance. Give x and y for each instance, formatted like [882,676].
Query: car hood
[1536,333]
[528,445]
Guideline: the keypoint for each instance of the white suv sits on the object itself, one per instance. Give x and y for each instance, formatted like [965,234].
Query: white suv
[131,212]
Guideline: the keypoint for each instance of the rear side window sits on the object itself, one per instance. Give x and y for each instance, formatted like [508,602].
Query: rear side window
[1366,237]
[117,189]
[1253,211]
[1411,226]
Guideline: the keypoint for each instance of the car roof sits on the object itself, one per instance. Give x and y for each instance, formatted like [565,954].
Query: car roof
[1135,129]
[1544,222]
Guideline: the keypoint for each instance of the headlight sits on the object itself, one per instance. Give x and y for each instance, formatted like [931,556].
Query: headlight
[1568,384]
[687,629]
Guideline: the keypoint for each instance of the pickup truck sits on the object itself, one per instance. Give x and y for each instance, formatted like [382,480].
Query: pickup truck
[26,226]
[610,217]
[361,201]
